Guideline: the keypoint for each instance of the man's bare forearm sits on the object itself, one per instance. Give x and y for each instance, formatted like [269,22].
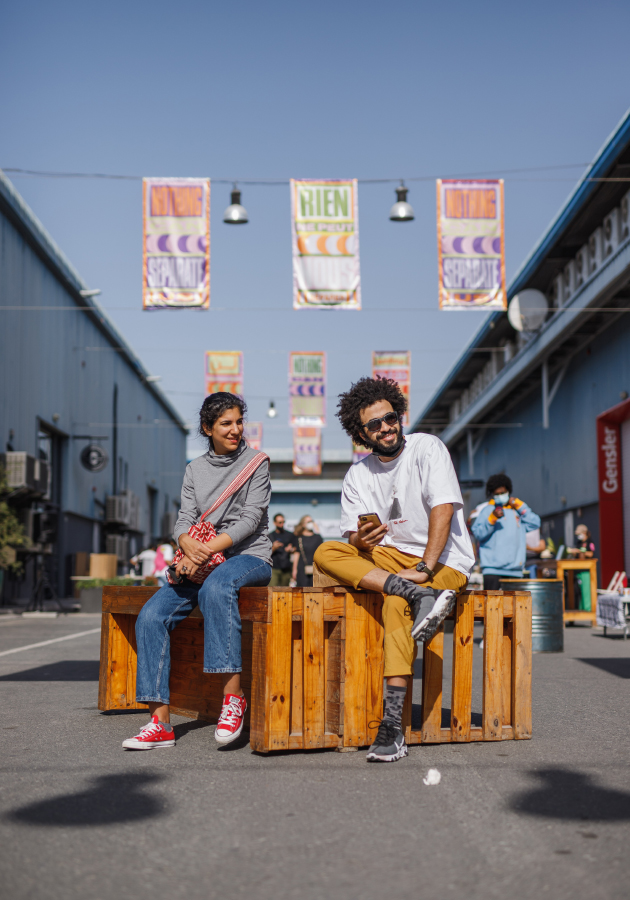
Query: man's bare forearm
[439,531]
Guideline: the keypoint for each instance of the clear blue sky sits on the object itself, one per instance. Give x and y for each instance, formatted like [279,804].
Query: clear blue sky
[279,90]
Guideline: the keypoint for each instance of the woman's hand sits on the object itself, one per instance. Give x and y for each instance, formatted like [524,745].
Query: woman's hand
[186,567]
[196,552]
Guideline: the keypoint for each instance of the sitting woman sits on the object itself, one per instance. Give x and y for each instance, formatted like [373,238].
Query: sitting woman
[241,523]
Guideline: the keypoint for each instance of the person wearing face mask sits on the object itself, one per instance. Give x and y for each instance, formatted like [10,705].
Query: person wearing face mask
[501,529]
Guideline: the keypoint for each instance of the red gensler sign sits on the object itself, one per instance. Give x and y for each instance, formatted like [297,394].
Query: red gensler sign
[610,493]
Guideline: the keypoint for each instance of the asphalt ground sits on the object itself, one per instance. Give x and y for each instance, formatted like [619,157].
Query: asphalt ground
[81,818]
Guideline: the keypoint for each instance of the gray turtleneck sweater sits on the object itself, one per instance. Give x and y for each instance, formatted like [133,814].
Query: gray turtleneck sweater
[243,516]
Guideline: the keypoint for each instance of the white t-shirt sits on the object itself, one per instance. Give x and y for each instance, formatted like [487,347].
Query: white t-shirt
[147,558]
[419,479]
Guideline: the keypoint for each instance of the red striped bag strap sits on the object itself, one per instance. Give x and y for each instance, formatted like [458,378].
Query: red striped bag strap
[243,476]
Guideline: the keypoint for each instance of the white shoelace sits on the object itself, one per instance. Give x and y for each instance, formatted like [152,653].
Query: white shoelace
[230,714]
[150,728]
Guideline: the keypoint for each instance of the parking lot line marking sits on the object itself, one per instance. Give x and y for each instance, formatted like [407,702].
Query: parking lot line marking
[68,637]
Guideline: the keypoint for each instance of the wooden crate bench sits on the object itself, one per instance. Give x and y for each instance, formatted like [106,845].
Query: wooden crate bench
[313,667]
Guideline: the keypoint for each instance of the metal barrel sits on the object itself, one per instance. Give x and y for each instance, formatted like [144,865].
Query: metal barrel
[547,611]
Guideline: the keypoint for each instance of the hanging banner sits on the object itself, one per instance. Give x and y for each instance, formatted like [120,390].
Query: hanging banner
[359,452]
[394,364]
[224,371]
[307,389]
[253,433]
[176,235]
[471,245]
[307,451]
[325,241]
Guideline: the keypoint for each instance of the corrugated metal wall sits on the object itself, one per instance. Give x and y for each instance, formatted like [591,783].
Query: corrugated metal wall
[60,368]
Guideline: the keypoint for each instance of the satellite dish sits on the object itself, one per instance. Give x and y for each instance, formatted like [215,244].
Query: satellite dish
[528,310]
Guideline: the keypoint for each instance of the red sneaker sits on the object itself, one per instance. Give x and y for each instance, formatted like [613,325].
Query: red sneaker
[230,722]
[154,734]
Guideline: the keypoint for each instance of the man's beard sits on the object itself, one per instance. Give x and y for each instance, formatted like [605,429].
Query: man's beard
[379,450]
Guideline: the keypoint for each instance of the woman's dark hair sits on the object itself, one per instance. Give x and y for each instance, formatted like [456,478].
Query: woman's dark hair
[497,481]
[215,405]
[364,393]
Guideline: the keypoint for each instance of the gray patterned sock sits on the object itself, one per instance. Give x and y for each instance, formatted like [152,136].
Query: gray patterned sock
[394,702]
[407,589]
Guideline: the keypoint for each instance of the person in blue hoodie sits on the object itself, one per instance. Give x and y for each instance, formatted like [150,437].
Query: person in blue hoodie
[500,528]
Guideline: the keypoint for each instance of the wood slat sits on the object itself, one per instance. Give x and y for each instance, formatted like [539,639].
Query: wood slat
[522,666]
[333,675]
[103,669]
[297,679]
[506,673]
[375,662]
[432,666]
[329,740]
[462,669]
[492,704]
[354,724]
[476,734]
[259,727]
[314,669]
[280,671]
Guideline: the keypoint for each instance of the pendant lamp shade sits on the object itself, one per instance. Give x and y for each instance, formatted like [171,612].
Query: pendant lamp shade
[401,211]
[235,214]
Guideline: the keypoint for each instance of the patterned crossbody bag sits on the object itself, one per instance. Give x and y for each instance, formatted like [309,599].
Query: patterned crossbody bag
[204,531]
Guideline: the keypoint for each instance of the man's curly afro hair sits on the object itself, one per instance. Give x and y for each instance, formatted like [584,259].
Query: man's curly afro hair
[364,393]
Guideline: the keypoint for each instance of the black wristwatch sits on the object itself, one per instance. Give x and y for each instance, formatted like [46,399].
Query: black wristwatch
[422,567]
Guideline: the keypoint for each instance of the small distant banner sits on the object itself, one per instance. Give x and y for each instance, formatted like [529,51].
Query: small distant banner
[394,364]
[325,241]
[307,451]
[307,389]
[176,234]
[359,452]
[253,433]
[224,371]
[471,245]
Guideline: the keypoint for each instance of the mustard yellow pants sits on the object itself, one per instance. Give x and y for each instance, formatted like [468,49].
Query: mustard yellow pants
[347,565]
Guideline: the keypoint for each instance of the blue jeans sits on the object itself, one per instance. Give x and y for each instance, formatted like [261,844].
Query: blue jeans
[217,599]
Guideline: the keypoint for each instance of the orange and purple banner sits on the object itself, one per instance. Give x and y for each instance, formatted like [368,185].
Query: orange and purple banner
[471,244]
[394,364]
[307,451]
[325,242]
[307,389]
[253,434]
[224,371]
[176,235]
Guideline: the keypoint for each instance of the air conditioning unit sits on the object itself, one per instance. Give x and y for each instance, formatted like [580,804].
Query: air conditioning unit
[611,229]
[624,223]
[581,266]
[556,292]
[133,510]
[569,280]
[595,250]
[118,545]
[169,520]
[117,510]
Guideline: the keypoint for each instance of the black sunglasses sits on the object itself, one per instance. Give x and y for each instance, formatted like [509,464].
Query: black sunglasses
[375,424]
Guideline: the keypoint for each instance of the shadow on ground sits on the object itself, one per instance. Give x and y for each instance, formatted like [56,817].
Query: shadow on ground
[109,800]
[614,665]
[569,795]
[66,670]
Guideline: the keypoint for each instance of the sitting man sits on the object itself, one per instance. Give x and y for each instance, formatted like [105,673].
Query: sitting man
[420,555]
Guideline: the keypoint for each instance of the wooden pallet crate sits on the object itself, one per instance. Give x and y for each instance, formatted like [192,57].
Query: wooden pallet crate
[313,667]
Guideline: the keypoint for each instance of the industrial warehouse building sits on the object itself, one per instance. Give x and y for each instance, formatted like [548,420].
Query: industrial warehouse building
[94,452]
[550,407]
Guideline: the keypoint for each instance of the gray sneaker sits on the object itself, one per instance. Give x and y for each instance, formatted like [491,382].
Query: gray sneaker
[389,744]
[444,605]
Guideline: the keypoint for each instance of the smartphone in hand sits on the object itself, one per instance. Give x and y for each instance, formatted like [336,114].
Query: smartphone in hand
[373,518]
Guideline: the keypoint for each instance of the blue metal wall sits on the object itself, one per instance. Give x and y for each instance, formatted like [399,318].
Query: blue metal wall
[555,470]
[61,367]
